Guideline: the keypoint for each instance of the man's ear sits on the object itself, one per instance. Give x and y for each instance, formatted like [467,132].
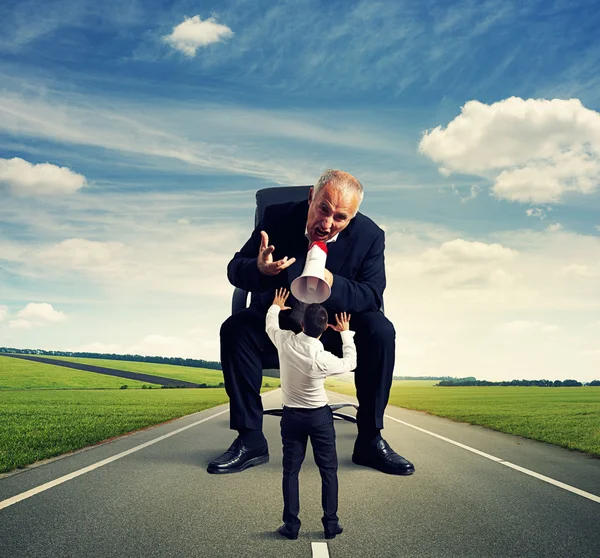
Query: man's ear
[310,194]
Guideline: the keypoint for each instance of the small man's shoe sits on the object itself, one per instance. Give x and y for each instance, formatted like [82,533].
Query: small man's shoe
[238,457]
[332,534]
[286,532]
[379,455]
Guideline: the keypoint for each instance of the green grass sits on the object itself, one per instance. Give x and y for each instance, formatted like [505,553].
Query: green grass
[25,374]
[567,417]
[174,371]
[40,424]
[49,410]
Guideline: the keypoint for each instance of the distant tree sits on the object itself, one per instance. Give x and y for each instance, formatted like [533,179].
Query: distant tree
[594,383]
[197,363]
[571,383]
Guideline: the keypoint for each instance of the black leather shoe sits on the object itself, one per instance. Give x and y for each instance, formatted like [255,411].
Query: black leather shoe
[379,455]
[238,457]
[332,534]
[287,533]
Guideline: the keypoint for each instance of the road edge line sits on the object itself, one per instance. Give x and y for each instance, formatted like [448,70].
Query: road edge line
[539,476]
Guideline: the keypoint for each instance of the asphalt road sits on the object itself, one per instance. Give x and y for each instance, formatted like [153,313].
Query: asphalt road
[139,376]
[159,501]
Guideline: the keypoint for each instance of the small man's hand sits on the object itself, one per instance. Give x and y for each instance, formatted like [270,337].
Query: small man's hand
[328,276]
[281,295]
[342,322]
[265,262]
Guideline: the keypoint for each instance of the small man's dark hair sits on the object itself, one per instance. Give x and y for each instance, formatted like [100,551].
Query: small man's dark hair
[315,320]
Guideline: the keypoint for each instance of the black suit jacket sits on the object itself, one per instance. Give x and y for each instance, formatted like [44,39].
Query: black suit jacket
[355,259]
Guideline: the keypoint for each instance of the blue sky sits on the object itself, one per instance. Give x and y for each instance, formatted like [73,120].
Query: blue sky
[133,136]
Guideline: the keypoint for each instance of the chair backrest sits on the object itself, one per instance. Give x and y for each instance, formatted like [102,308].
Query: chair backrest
[278,194]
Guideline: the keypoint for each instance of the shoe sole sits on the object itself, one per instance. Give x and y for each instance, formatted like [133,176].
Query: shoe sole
[389,471]
[254,462]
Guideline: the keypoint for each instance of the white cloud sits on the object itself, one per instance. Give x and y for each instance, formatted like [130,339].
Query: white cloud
[85,255]
[185,346]
[37,314]
[26,179]
[591,352]
[3,313]
[194,33]
[21,324]
[519,326]
[459,263]
[554,227]
[581,270]
[473,192]
[534,150]
[537,212]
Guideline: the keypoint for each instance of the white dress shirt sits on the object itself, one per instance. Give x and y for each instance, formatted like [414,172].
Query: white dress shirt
[304,363]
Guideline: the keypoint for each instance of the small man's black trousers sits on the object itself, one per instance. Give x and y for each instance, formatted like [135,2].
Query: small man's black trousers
[297,427]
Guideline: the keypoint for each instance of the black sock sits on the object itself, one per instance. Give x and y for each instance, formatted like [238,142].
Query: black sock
[253,438]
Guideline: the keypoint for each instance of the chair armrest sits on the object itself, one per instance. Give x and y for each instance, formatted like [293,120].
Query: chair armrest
[239,301]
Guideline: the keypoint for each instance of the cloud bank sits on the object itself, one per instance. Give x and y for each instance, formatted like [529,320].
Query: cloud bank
[534,150]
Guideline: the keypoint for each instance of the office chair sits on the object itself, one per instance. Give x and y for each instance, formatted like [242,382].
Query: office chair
[264,198]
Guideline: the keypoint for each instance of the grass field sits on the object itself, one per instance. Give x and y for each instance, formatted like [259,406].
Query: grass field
[25,374]
[567,417]
[41,424]
[185,373]
[49,410]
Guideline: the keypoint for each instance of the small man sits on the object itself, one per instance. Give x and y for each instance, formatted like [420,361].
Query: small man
[304,364]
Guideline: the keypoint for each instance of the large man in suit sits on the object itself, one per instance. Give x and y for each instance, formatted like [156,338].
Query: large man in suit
[272,258]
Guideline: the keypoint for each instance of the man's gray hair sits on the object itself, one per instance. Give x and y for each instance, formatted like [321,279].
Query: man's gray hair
[342,180]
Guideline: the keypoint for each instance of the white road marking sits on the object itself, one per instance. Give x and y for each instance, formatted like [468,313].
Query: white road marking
[529,472]
[319,550]
[46,486]
[74,474]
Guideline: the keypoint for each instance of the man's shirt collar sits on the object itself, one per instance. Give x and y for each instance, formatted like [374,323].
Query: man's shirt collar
[310,340]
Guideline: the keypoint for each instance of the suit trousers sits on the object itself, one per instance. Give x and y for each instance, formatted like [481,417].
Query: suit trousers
[297,426]
[245,343]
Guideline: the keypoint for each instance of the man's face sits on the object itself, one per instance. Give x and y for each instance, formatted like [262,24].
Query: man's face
[329,212]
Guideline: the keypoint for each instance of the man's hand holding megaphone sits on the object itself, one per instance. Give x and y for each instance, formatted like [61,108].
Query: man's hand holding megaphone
[267,266]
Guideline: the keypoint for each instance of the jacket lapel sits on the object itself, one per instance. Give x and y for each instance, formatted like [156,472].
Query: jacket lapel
[337,251]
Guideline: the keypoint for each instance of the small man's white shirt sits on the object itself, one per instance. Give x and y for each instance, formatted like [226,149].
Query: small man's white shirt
[304,363]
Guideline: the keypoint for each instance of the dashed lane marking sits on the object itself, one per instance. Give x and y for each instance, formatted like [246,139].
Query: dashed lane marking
[319,550]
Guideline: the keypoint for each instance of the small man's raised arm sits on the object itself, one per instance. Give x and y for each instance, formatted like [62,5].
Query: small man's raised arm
[281,296]
[342,322]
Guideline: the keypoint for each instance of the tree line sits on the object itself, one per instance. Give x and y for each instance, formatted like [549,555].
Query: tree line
[470,381]
[198,363]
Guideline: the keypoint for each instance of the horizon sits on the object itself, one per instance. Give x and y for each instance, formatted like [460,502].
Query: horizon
[345,376]
[134,135]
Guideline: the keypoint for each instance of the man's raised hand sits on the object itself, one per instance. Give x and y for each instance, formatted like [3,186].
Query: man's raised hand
[342,322]
[281,296]
[265,262]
